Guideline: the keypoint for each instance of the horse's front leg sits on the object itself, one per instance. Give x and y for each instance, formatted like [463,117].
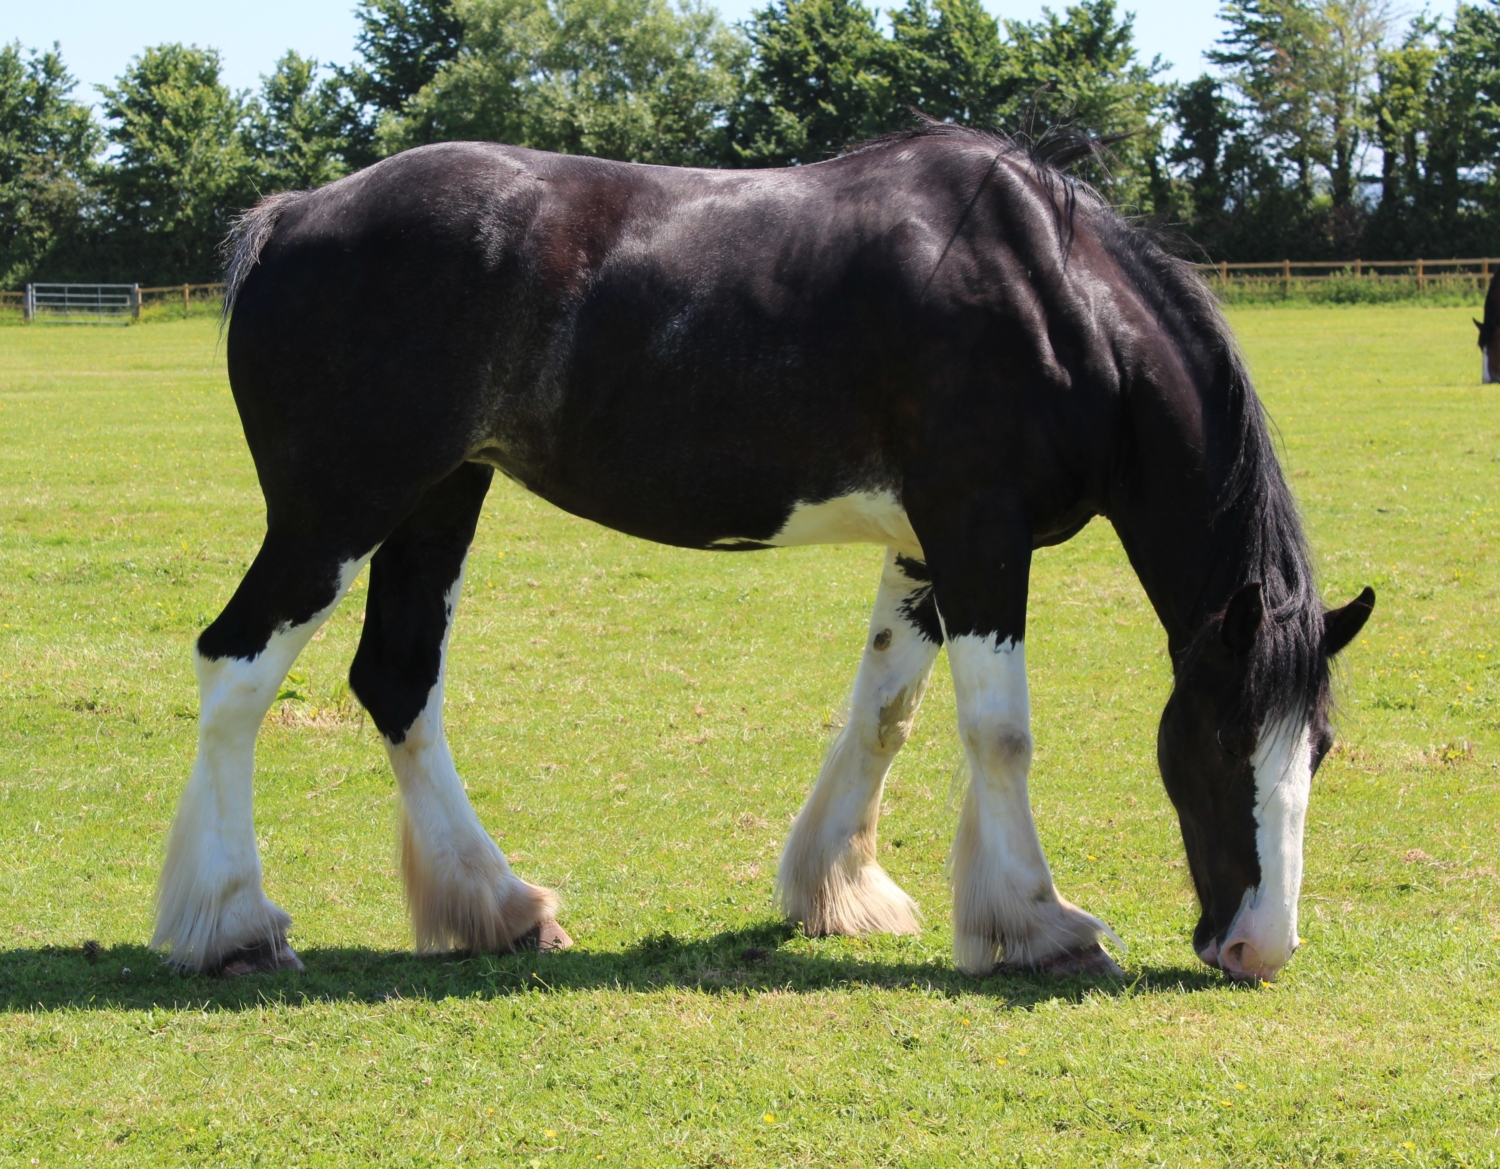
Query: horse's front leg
[829,879]
[1005,906]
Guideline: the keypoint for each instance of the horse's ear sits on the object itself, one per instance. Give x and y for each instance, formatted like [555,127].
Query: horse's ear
[1242,618]
[1341,625]
[1478,324]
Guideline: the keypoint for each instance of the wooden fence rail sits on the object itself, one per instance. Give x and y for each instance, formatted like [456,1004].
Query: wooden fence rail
[187,294]
[1474,273]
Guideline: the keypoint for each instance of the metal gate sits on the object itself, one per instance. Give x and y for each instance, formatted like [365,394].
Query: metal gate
[95,302]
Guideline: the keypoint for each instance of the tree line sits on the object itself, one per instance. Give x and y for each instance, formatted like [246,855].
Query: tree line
[1325,131]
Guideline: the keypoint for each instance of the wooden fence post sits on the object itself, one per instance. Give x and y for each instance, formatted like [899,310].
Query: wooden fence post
[1223,273]
[135,302]
[28,310]
[1421,278]
[1286,277]
[184,301]
[1358,269]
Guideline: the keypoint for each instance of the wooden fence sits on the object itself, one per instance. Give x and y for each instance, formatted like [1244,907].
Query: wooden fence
[186,295]
[1287,274]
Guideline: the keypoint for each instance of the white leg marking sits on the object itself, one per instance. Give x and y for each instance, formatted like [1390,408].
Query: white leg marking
[829,879]
[1484,370]
[209,901]
[460,889]
[1263,934]
[1004,901]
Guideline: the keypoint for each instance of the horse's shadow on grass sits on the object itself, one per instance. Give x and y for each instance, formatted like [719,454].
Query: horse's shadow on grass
[739,962]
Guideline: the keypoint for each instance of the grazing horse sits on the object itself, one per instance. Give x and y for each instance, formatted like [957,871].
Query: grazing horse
[1489,335]
[936,342]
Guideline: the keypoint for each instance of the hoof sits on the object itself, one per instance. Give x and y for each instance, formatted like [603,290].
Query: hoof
[266,958]
[1089,961]
[545,937]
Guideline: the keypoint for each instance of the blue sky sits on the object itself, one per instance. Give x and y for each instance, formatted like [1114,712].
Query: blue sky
[99,37]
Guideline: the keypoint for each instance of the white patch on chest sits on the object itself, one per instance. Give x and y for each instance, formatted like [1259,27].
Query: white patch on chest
[865,517]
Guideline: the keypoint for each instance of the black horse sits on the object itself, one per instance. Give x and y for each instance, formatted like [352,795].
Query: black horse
[936,342]
[1489,335]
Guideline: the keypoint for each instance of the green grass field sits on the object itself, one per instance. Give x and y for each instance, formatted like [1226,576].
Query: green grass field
[637,726]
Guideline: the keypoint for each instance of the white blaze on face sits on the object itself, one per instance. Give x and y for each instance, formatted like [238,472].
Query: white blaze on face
[1263,935]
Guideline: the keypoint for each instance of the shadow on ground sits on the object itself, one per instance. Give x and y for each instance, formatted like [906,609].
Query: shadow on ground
[736,962]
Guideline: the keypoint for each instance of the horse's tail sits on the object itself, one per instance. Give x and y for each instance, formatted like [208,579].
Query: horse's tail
[247,235]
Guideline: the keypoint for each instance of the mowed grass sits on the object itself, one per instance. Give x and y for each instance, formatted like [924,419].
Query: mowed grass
[637,725]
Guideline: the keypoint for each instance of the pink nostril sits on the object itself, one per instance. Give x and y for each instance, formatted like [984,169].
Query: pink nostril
[1240,961]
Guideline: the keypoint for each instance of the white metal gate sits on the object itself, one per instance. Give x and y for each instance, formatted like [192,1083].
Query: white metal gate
[97,302]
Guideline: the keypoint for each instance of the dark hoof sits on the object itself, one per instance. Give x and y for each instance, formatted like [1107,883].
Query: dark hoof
[545,937]
[1089,961]
[266,958]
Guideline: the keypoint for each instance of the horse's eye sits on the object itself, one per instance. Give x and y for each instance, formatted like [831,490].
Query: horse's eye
[1227,749]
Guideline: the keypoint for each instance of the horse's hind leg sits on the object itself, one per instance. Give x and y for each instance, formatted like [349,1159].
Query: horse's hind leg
[211,911]
[459,888]
[829,879]
[1004,901]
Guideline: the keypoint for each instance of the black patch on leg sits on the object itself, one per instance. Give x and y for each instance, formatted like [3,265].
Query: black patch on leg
[918,607]
[290,582]
[406,616]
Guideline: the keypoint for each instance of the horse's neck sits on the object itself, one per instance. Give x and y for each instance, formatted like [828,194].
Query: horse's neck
[1183,577]
[1169,522]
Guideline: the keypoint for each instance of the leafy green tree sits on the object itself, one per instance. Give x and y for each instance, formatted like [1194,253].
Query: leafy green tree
[1436,119]
[180,171]
[948,62]
[1404,112]
[1207,129]
[1468,93]
[821,79]
[295,129]
[624,79]
[47,145]
[1230,198]
[1081,69]
[401,45]
[1305,69]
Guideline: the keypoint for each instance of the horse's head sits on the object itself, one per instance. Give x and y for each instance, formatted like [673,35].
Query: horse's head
[1489,348]
[1240,780]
